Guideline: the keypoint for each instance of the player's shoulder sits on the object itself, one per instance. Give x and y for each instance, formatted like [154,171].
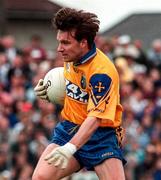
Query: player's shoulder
[104,59]
[102,63]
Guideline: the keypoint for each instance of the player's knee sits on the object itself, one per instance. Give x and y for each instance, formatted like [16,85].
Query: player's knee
[39,176]
[42,176]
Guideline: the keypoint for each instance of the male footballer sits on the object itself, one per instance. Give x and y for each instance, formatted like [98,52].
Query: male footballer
[92,113]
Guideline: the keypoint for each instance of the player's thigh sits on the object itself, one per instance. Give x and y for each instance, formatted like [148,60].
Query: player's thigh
[44,171]
[111,169]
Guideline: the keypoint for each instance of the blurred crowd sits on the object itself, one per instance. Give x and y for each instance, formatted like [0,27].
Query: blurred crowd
[26,123]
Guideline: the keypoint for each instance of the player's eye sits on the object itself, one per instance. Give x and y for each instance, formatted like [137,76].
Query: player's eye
[65,42]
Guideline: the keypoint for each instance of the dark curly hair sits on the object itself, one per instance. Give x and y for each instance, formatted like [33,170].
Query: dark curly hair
[85,24]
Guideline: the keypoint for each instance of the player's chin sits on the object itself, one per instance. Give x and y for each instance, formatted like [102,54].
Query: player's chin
[67,59]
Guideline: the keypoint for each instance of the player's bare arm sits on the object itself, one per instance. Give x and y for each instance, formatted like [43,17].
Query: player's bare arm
[85,131]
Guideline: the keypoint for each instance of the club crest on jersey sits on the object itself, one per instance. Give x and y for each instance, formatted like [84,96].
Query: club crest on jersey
[75,92]
[83,82]
[100,85]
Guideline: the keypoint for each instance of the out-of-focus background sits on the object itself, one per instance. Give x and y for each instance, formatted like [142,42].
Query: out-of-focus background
[130,34]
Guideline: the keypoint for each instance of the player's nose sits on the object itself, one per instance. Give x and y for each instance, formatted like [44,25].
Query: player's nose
[60,48]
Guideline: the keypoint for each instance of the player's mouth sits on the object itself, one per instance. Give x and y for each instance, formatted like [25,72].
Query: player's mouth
[64,56]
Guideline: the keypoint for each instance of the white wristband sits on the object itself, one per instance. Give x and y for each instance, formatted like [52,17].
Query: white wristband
[71,147]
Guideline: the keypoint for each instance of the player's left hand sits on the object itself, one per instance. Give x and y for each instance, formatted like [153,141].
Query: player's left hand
[60,156]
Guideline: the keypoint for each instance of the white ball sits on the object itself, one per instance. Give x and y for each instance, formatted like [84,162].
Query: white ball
[55,84]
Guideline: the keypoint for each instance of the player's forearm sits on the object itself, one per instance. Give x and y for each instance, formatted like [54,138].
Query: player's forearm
[85,131]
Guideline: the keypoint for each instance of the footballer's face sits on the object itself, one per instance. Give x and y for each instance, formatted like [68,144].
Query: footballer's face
[70,49]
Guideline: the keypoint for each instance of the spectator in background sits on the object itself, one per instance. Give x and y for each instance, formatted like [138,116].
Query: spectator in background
[154,54]
[4,68]
[142,59]
[130,51]
[5,131]
[35,49]
[17,85]
[125,72]
[124,46]
[8,42]
[4,150]
[104,45]
[17,67]
[23,159]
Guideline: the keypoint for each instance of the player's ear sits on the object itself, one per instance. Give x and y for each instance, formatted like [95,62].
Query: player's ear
[84,43]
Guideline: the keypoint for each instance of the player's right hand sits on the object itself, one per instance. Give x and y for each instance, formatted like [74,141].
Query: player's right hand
[40,90]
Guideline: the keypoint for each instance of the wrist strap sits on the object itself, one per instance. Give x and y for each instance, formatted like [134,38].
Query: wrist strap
[71,147]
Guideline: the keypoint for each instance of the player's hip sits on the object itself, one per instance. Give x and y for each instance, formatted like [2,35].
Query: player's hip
[104,136]
[102,145]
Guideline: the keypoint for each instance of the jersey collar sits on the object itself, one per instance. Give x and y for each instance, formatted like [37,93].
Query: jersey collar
[90,54]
